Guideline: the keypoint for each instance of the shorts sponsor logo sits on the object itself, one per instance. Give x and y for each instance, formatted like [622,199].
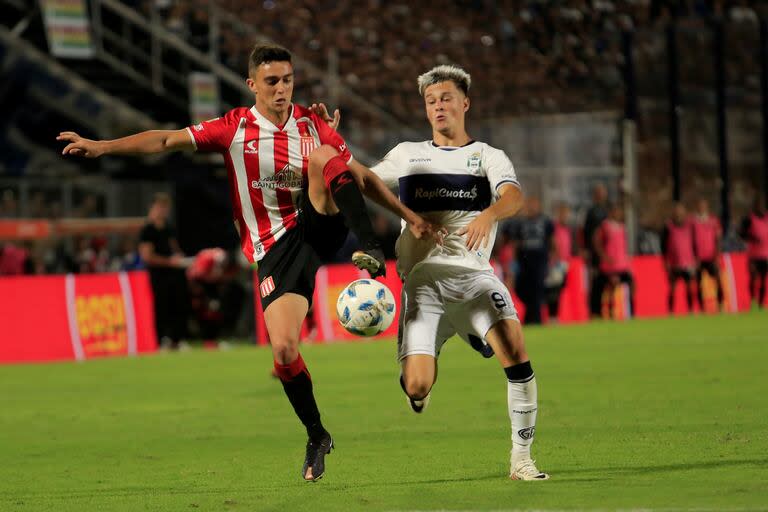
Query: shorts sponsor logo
[442,192]
[526,433]
[198,127]
[267,286]
[251,148]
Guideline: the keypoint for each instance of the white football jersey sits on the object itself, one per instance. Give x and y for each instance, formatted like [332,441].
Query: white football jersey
[448,186]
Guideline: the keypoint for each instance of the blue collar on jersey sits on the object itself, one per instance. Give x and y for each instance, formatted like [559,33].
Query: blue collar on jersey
[452,148]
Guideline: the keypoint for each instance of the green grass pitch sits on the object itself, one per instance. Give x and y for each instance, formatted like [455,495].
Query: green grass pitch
[665,414]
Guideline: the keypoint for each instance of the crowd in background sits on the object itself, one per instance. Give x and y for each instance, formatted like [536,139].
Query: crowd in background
[534,252]
[551,56]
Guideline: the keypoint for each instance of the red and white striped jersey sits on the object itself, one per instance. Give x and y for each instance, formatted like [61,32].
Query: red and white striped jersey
[267,168]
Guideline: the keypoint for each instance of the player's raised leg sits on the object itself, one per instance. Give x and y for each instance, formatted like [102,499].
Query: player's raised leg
[419,373]
[506,338]
[284,318]
[333,189]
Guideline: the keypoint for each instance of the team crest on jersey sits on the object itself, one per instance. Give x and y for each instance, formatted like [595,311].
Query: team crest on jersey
[307,145]
[267,286]
[473,162]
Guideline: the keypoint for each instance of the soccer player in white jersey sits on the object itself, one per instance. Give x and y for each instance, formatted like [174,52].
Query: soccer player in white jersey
[294,186]
[465,186]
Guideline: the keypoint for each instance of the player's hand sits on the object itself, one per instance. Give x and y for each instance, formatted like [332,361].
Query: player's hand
[478,231]
[320,110]
[78,146]
[423,229]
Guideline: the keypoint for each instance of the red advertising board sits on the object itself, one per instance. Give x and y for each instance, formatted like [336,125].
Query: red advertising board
[47,318]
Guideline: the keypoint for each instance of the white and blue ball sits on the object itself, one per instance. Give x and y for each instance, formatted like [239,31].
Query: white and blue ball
[366,307]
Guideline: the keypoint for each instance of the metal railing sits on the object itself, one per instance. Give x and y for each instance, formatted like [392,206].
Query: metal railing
[125,49]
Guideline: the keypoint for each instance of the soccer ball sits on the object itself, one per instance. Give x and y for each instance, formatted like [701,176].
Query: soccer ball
[366,307]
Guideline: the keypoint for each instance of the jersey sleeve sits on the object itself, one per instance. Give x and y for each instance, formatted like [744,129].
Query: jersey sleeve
[331,137]
[500,170]
[215,134]
[389,168]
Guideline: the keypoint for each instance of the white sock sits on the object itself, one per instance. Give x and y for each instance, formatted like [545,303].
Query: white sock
[522,403]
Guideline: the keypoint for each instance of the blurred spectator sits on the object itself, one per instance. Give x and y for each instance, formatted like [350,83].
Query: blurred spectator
[677,242]
[610,244]
[88,208]
[9,206]
[216,296]
[596,215]
[562,247]
[127,257]
[14,260]
[504,256]
[161,254]
[90,255]
[707,233]
[533,236]
[37,208]
[754,230]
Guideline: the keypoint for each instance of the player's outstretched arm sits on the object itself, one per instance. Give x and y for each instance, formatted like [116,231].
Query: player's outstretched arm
[374,188]
[151,141]
[478,231]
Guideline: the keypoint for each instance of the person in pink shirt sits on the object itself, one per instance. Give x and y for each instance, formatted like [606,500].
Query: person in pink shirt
[677,242]
[707,233]
[610,242]
[754,230]
[562,245]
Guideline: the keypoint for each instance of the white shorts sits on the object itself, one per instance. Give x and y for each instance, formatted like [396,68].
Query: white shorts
[438,303]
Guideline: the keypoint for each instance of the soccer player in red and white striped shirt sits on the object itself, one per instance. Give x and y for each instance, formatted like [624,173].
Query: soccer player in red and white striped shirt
[294,185]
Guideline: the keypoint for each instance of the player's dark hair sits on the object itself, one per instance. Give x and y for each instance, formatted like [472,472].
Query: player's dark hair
[265,53]
[161,198]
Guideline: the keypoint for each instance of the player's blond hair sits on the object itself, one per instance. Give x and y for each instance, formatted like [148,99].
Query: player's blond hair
[445,73]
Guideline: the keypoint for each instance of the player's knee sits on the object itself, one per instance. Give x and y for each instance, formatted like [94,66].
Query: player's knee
[320,157]
[284,351]
[417,387]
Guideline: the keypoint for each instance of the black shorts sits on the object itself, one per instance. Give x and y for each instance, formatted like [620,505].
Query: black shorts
[686,274]
[760,266]
[291,264]
[710,267]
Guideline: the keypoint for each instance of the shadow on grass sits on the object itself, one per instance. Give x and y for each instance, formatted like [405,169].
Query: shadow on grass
[715,464]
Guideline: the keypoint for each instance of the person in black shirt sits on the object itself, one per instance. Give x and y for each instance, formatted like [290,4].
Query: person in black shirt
[533,235]
[164,260]
[596,214]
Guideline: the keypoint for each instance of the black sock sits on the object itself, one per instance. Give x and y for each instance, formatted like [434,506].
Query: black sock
[521,372]
[348,198]
[299,392]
